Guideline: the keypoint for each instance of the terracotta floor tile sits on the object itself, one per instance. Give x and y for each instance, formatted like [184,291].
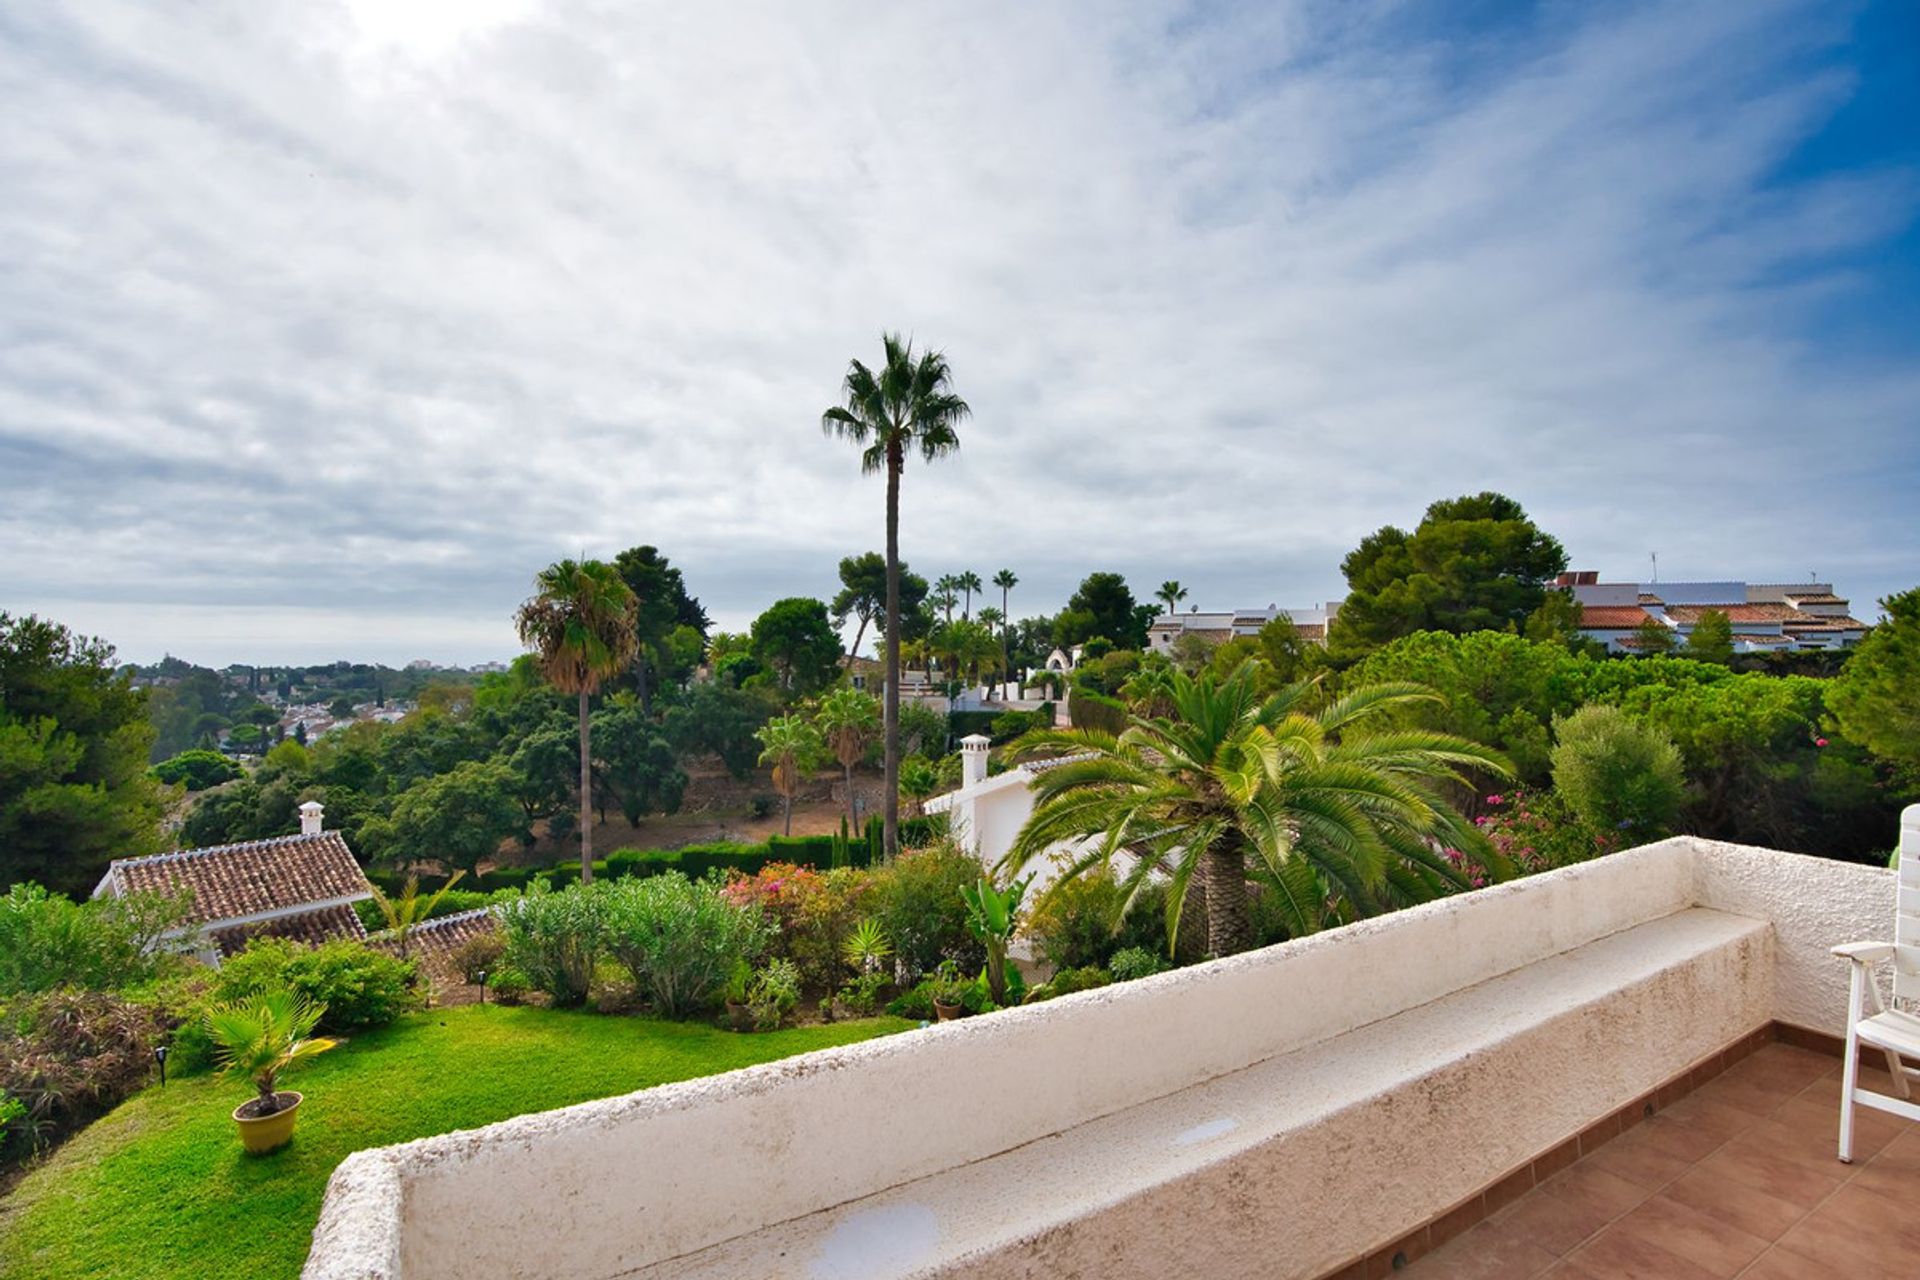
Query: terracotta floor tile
[1871,1236]
[1754,1212]
[1556,1225]
[1640,1160]
[1625,1255]
[1780,1264]
[1570,1271]
[1754,1166]
[1684,1139]
[1589,1186]
[1817,1153]
[1747,1093]
[1895,1170]
[1710,1117]
[1490,1251]
[1717,1248]
[1816,1123]
[1780,1066]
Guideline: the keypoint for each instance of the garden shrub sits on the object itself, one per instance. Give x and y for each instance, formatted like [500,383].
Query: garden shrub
[1009,725]
[1618,774]
[48,941]
[509,985]
[915,1002]
[555,937]
[67,1057]
[961,724]
[1089,710]
[917,900]
[861,996]
[1073,922]
[1536,831]
[679,938]
[813,912]
[361,987]
[478,954]
[773,993]
[1136,962]
[1068,981]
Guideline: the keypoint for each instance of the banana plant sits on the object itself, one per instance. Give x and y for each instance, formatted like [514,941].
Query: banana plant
[992,916]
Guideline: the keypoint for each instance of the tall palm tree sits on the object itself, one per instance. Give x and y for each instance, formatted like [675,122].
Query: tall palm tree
[968,582]
[790,746]
[582,624]
[1006,580]
[908,405]
[946,594]
[1335,820]
[1171,593]
[991,618]
[848,718]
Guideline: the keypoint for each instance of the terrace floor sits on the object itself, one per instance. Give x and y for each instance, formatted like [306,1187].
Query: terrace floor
[1738,1178]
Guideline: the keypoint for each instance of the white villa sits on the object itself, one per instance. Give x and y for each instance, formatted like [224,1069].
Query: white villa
[1766,617]
[1219,627]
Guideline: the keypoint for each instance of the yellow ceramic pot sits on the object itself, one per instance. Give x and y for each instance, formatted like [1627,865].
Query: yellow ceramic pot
[262,1134]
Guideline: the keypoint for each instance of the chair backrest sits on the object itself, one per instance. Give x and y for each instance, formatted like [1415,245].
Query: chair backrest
[1906,925]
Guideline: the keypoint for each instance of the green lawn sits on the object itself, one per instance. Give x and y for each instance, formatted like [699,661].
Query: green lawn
[160,1188]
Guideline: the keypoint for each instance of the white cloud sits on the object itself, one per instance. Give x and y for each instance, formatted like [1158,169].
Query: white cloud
[376,308]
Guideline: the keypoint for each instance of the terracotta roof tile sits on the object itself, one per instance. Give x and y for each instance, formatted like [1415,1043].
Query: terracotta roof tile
[246,879]
[1613,615]
[432,944]
[323,925]
[1736,613]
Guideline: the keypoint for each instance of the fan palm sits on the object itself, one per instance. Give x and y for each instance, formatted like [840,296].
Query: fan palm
[907,405]
[790,746]
[848,718]
[968,583]
[1171,593]
[263,1037]
[582,624]
[1337,821]
[991,618]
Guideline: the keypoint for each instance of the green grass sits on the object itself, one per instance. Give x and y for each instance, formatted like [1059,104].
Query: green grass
[161,1188]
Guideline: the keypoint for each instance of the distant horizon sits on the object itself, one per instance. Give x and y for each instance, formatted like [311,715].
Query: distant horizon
[385,652]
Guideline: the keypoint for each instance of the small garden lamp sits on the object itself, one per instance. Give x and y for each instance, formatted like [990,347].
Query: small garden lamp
[160,1056]
[482,975]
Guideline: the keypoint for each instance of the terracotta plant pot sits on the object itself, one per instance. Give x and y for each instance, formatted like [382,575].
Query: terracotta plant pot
[261,1134]
[945,1012]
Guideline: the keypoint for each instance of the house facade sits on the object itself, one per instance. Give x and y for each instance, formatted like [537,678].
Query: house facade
[1766,617]
[1217,627]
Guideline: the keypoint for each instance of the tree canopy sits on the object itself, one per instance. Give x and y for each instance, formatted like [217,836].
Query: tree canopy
[74,737]
[1473,563]
[1876,697]
[795,640]
[1103,606]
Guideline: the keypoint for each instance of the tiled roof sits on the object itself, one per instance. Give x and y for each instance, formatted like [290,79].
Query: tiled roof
[432,944]
[1311,630]
[1648,597]
[323,925]
[233,880]
[1816,622]
[1810,598]
[1613,615]
[1736,613]
[1762,639]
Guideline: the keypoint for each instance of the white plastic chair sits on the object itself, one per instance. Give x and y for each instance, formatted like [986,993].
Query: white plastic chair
[1893,1031]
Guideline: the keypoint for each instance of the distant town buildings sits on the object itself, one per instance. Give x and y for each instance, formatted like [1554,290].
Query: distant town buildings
[1767,617]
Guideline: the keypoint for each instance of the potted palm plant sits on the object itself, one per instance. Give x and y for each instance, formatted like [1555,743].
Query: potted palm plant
[948,990]
[259,1039]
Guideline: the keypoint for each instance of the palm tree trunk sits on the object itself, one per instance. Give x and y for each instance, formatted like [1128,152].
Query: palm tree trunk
[1224,881]
[788,799]
[586,797]
[848,766]
[890,839]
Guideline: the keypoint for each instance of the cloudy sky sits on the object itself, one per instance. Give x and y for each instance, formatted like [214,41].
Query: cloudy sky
[324,324]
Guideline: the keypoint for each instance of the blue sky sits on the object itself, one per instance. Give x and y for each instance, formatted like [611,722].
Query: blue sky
[326,325]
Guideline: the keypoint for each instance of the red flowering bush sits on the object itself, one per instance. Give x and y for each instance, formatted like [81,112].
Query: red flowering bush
[1536,831]
[814,912]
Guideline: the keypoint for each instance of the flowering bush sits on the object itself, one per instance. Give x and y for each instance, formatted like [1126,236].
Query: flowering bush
[813,911]
[1536,831]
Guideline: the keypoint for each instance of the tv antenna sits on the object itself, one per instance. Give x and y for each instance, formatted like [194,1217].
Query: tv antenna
[1655,557]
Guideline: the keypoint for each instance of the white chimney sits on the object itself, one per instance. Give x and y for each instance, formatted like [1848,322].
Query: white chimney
[311,818]
[973,759]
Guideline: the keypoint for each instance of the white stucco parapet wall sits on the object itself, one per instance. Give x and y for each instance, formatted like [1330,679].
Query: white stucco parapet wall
[609,1188]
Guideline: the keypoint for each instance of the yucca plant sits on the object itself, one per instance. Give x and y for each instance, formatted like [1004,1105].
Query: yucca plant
[867,947]
[262,1037]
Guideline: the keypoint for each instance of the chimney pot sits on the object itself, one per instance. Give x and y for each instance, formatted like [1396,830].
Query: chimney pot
[312,818]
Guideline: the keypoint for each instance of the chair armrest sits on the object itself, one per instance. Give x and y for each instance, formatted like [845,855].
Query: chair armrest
[1866,952]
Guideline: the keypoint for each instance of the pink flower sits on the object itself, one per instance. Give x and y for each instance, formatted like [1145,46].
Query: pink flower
[1494,800]
[1819,742]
